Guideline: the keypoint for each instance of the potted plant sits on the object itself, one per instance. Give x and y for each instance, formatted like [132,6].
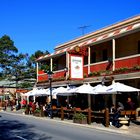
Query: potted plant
[37,112]
[23,109]
[80,118]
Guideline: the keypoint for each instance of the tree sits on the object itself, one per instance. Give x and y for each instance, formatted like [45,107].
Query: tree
[38,54]
[30,70]
[7,54]
[20,68]
[17,73]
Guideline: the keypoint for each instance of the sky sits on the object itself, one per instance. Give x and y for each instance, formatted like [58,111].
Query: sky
[44,24]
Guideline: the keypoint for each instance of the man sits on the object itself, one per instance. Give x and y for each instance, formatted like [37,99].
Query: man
[129,104]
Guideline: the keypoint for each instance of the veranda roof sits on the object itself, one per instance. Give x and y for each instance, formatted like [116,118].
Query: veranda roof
[94,40]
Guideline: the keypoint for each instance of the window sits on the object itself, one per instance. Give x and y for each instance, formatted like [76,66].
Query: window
[93,57]
[139,47]
[85,60]
[104,56]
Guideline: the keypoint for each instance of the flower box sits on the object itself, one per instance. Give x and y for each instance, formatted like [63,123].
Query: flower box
[83,121]
[80,118]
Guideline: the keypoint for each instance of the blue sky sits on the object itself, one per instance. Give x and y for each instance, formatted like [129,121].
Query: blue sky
[43,24]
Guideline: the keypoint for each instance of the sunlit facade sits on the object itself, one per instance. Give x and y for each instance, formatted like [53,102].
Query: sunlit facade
[111,53]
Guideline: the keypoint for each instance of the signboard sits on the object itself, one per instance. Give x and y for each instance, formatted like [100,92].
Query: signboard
[76,67]
[79,50]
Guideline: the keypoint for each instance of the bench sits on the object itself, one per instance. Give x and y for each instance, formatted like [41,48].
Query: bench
[131,114]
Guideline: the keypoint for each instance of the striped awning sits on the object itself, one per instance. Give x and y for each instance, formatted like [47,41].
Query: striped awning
[93,40]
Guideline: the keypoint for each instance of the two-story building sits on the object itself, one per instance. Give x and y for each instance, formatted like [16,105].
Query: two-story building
[111,53]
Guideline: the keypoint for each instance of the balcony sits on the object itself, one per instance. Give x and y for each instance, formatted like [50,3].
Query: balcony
[57,76]
[122,65]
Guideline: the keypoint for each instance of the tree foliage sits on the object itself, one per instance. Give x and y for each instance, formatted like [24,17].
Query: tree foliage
[7,52]
[17,66]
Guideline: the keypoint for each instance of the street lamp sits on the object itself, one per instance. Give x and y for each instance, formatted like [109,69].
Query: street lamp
[50,73]
[65,74]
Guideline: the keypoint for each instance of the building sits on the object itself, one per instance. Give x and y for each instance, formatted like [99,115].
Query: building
[111,53]
[9,90]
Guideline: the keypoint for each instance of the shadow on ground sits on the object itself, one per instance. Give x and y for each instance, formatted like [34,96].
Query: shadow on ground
[15,130]
[136,122]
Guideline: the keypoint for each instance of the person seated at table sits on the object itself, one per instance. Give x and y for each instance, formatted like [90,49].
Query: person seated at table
[116,115]
[112,109]
[68,105]
[129,104]
[120,107]
[112,112]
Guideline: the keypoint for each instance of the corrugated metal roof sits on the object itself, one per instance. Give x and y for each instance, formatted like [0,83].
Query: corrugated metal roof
[96,39]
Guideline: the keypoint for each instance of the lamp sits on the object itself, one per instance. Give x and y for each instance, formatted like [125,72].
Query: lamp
[103,81]
[66,70]
[50,73]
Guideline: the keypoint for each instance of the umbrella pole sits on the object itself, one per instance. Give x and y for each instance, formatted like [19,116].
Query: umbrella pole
[89,101]
[89,108]
[114,99]
[34,98]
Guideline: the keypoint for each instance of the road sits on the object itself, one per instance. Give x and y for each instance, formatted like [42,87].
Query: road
[20,127]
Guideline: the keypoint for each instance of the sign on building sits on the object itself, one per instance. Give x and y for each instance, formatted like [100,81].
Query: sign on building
[76,67]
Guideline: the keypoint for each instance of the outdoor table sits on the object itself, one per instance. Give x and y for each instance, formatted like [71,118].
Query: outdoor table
[124,121]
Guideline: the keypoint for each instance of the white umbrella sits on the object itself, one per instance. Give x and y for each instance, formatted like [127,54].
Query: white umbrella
[85,88]
[67,91]
[48,91]
[59,90]
[99,89]
[36,92]
[40,92]
[30,93]
[119,87]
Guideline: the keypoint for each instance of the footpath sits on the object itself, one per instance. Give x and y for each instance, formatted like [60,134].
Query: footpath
[133,129]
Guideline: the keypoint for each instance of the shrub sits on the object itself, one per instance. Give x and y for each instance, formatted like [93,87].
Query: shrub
[79,116]
[37,110]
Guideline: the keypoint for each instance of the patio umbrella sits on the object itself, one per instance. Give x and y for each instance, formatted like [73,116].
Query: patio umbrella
[99,89]
[30,93]
[69,91]
[59,90]
[85,89]
[36,92]
[40,92]
[119,87]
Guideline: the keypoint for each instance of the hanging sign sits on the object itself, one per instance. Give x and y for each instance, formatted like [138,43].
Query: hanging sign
[76,67]
[79,51]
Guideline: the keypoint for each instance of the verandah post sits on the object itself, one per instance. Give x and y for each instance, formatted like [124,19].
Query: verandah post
[107,117]
[62,113]
[89,115]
